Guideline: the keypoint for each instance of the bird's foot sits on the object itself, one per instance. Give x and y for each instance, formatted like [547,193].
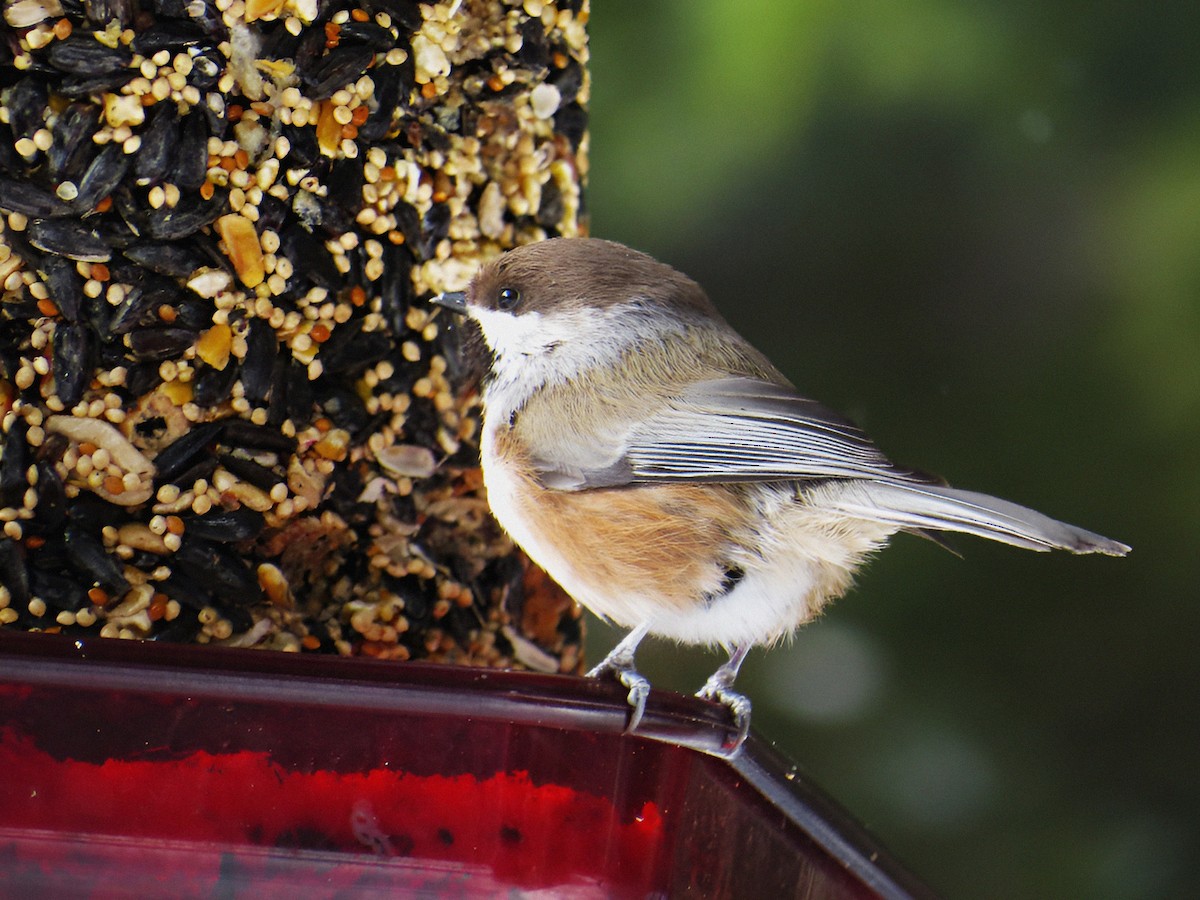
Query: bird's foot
[638,685]
[719,689]
[620,663]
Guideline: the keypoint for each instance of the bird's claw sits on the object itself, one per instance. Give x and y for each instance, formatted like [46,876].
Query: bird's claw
[716,690]
[639,690]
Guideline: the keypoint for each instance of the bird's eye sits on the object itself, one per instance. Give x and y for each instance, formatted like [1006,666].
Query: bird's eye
[508,298]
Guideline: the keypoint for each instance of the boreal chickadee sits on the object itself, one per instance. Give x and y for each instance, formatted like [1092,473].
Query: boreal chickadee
[662,471]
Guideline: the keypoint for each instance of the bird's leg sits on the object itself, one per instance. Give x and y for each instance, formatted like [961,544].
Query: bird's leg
[620,663]
[719,687]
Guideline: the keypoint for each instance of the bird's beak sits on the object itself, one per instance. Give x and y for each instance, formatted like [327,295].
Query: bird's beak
[455,301]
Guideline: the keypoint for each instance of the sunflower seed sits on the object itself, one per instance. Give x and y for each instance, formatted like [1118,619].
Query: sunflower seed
[68,238]
[155,344]
[219,569]
[87,554]
[23,197]
[73,361]
[84,55]
[226,526]
[182,452]
[102,177]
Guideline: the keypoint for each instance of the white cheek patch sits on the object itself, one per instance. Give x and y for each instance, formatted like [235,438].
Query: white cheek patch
[533,350]
[507,334]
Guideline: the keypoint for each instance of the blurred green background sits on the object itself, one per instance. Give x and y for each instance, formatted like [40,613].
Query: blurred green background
[974,227]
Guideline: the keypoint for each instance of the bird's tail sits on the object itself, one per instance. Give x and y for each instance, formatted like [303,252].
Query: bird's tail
[920,507]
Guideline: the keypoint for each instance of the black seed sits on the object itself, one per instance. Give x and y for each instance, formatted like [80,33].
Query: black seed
[82,54]
[244,433]
[14,460]
[10,161]
[73,145]
[202,13]
[345,183]
[272,213]
[435,226]
[26,105]
[279,43]
[331,217]
[435,136]
[220,569]
[131,312]
[418,599]
[392,83]
[568,80]
[368,33]
[65,285]
[190,215]
[94,511]
[341,66]
[192,313]
[146,292]
[157,344]
[23,197]
[168,34]
[406,13]
[309,49]
[408,223]
[24,308]
[57,590]
[102,177]
[13,574]
[250,471]
[52,499]
[211,387]
[178,260]
[311,258]
[350,351]
[534,54]
[298,396]
[114,232]
[182,452]
[571,120]
[226,525]
[276,407]
[550,211]
[190,167]
[142,379]
[395,287]
[239,617]
[261,349]
[159,141]
[68,238]
[203,467]
[87,554]
[342,405]
[74,356]
[80,87]
[188,592]
[304,149]
[180,630]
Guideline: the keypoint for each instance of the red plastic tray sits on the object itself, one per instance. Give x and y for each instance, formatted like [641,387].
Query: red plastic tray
[148,770]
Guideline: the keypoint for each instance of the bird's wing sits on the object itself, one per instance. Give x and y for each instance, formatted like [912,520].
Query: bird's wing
[733,429]
[738,429]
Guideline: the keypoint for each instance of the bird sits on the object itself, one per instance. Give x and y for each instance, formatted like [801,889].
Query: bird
[670,478]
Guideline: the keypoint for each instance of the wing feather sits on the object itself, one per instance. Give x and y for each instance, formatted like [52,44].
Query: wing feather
[746,429]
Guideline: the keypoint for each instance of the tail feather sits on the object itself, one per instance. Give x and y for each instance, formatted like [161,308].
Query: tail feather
[918,507]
